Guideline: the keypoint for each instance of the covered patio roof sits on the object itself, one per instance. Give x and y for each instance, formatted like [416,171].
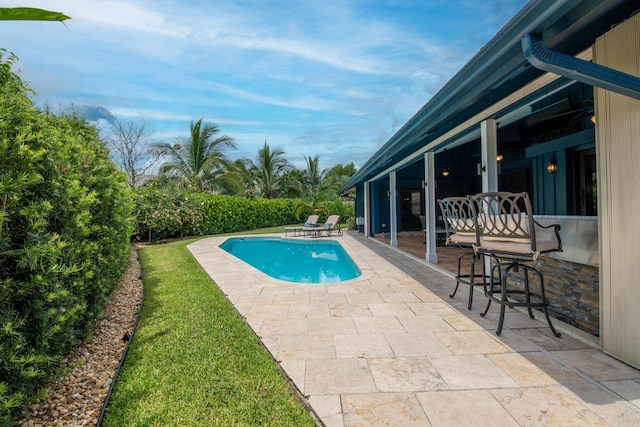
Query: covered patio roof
[497,70]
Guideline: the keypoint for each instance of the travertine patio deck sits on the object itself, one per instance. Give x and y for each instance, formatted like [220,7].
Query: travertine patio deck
[391,348]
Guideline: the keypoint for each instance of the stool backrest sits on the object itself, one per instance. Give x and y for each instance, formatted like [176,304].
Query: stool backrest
[460,225]
[505,222]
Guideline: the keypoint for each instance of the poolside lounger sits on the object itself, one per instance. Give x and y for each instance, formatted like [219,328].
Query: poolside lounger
[312,221]
[331,224]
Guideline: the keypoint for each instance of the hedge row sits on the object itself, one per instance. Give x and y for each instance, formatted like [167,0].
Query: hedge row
[168,213]
[65,227]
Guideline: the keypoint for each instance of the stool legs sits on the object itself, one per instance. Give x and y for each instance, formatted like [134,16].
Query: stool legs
[462,278]
[505,270]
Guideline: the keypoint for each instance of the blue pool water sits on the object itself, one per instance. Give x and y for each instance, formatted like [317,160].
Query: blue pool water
[294,260]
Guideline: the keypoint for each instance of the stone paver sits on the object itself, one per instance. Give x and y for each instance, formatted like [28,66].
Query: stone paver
[391,348]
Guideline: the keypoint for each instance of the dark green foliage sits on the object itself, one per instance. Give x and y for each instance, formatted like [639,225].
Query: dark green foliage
[65,222]
[163,213]
[346,210]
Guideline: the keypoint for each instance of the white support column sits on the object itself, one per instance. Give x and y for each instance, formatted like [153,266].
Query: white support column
[393,209]
[430,207]
[489,151]
[367,208]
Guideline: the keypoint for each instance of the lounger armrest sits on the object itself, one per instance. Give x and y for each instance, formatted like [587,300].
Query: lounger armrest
[556,230]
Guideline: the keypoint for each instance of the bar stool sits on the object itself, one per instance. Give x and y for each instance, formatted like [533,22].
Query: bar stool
[508,233]
[460,229]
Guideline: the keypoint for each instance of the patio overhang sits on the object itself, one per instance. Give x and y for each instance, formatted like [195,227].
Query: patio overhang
[498,70]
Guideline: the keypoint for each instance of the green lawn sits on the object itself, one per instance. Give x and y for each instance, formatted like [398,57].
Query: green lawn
[193,361]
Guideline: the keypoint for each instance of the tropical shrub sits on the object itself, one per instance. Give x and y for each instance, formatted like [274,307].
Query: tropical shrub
[166,212]
[65,223]
[169,212]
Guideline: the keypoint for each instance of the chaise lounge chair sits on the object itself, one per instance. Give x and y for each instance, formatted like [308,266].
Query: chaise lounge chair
[312,221]
[331,224]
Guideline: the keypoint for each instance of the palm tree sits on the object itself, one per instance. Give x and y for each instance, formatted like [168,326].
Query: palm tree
[293,184]
[269,171]
[318,181]
[243,168]
[316,204]
[313,175]
[200,158]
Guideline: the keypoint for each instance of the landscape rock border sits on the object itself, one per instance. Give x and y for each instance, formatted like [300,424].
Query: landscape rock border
[78,397]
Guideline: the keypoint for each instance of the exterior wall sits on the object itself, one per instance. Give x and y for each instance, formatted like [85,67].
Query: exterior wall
[572,290]
[618,151]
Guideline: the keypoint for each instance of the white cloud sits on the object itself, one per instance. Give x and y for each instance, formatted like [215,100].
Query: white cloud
[331,78]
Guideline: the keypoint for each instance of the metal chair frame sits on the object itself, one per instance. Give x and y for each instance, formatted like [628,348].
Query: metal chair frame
[507,233]
[460,229]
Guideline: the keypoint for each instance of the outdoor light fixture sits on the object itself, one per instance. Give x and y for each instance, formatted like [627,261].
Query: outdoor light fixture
[446,172]
[552,166]
[593,119]
[500,157]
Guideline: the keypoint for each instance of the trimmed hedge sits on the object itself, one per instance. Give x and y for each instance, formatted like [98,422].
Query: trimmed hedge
[65,227]
[164,213]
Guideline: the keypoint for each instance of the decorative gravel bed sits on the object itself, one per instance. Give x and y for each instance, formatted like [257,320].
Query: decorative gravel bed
[77,397]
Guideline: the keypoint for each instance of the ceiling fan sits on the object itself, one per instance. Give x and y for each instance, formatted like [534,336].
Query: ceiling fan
[586,111]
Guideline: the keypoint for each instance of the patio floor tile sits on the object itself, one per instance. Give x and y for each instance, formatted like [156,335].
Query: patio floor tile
[380,324]
[534,369]
[471,342]
[431,308]
[361,345]
[476,408]
[598,365]
[338,376]
[390,309]
[608,401]
[383,409]
[306,347]
[391,348]
[471,371]
[546,406]
[400,374]
[364,298]
[417,344]
[329,409]
[281,327]
[421,323]
[349,310]
[331,325]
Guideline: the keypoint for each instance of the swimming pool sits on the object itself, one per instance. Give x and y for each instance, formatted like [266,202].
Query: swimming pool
[320,261]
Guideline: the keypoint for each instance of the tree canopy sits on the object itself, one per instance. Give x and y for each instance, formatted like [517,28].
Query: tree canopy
[200,159]
[30,14]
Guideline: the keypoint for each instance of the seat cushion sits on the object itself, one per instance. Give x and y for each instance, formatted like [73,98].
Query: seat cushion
[519,246]
[462,239]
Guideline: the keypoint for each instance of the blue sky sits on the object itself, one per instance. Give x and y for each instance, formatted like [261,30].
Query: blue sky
[334,78]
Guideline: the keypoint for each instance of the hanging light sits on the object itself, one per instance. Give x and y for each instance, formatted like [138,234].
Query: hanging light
[500,157]
[552,166]
[446,172]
